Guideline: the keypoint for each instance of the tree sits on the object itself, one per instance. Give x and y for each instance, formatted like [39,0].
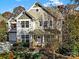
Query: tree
[7,15]
[70,31]
[75,1]
[72,44]
[73,25]
[3,31]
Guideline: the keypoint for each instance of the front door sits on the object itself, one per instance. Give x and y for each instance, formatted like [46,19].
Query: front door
[39,40]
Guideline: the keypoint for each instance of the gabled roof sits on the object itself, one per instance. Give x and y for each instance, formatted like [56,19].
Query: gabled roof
[39,5]
[30,16]
[12,18]
[25,13]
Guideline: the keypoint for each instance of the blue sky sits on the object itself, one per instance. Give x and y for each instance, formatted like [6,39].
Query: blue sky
[8,5]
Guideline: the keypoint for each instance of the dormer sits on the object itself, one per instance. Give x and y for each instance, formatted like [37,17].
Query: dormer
[25,21]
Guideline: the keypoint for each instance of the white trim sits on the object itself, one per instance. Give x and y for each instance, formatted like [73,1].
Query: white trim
[11,19]
[31,7]
[19,15]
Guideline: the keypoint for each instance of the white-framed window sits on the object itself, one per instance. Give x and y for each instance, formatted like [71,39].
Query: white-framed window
[25,37]
[25,24]
[22,24]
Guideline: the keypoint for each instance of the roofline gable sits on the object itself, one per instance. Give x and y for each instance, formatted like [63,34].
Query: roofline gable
[26,13]
[40,5]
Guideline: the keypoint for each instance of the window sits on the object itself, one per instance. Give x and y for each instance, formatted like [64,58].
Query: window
[39,39]
[45,23]
[25,37]
[22,37]
[62,22]
[40,23]
[27,23]
[37,10]
[22,24]
[50,23]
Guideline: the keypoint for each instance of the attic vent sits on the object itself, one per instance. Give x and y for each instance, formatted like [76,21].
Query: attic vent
[37,10]
[23,12]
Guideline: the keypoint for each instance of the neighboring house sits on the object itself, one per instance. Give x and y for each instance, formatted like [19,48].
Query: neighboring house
[12,30]
[37,26]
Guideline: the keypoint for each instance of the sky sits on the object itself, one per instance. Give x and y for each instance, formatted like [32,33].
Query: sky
[9,5]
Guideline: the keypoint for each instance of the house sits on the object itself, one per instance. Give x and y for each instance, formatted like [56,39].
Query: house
[12,30]
[37,26]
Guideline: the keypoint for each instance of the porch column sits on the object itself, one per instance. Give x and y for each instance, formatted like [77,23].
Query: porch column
[43,40]
[30,38]
[30,42]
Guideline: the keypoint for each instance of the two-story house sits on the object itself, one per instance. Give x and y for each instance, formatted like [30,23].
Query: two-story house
[37,26]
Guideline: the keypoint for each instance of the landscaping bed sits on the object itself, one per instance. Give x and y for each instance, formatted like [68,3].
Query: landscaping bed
[4,56]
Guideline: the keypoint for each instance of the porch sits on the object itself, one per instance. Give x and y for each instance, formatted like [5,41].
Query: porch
[42,38]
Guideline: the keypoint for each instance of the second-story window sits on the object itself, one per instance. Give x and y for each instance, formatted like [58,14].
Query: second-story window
[40,23]
[37,10]
[50,23]
[22,24]
[62,22]
[27,23]
[45,23]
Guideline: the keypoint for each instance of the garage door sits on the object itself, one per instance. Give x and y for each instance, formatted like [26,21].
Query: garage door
[12,37]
